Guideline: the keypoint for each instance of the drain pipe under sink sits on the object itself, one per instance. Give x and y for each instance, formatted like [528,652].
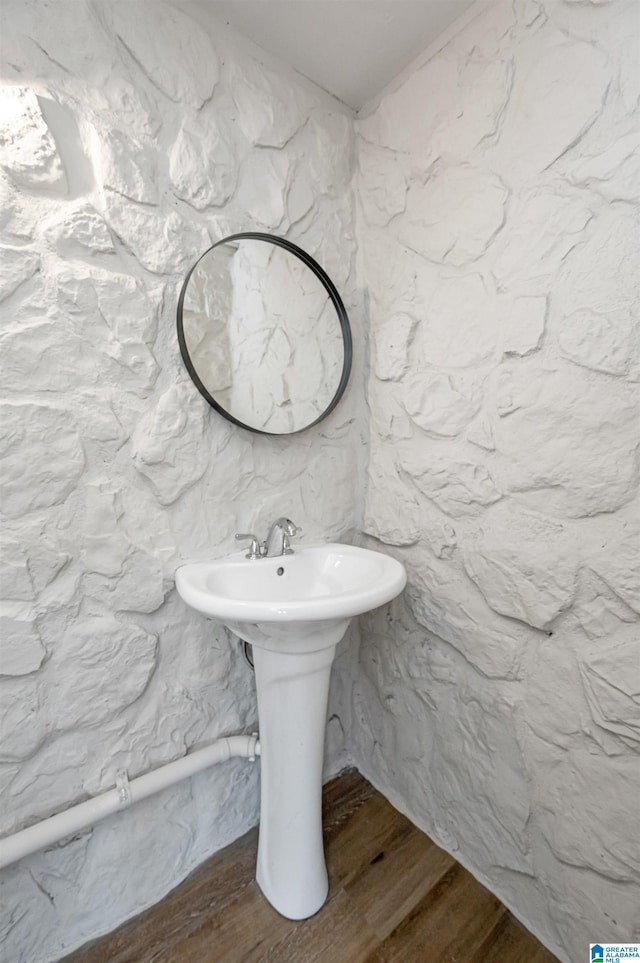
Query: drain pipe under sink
[58,827]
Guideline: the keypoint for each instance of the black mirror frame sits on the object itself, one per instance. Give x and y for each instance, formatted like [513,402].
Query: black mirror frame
[329,286]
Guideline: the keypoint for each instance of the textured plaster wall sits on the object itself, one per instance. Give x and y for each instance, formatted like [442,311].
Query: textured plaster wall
[499,702]
[131,138]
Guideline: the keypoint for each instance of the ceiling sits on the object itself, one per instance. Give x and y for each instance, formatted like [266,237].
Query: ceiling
[351,48]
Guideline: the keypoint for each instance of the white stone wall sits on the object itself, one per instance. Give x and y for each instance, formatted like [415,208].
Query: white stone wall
[499,703]
[132,137]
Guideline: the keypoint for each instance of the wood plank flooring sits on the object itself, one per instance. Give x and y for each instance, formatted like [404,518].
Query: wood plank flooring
[394,897]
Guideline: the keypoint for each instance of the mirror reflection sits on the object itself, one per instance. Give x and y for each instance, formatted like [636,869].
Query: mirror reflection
[264,334]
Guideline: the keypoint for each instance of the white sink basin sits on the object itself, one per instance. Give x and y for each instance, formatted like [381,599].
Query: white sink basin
[316,583]
[293,609]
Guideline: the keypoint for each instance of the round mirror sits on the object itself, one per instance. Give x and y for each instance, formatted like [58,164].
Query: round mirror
[264,334]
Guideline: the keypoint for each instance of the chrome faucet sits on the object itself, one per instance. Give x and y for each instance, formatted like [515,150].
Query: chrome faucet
[277,541]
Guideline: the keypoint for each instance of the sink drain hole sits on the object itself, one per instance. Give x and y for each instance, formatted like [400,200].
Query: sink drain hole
[281,571]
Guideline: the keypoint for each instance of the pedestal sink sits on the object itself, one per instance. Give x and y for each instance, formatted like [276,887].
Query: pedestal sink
[293,609]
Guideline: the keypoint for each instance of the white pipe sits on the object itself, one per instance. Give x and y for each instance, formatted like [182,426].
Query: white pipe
[78,817]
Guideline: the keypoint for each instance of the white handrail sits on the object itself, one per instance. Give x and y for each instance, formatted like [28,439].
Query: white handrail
[55,828]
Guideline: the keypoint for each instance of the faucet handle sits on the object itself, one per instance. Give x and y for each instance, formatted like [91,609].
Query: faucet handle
[289,530]
[254,548]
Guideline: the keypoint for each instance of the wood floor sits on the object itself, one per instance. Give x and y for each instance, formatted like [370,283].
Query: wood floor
[394,897]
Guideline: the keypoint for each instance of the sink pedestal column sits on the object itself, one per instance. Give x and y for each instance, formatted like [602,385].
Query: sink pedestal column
[293,691]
